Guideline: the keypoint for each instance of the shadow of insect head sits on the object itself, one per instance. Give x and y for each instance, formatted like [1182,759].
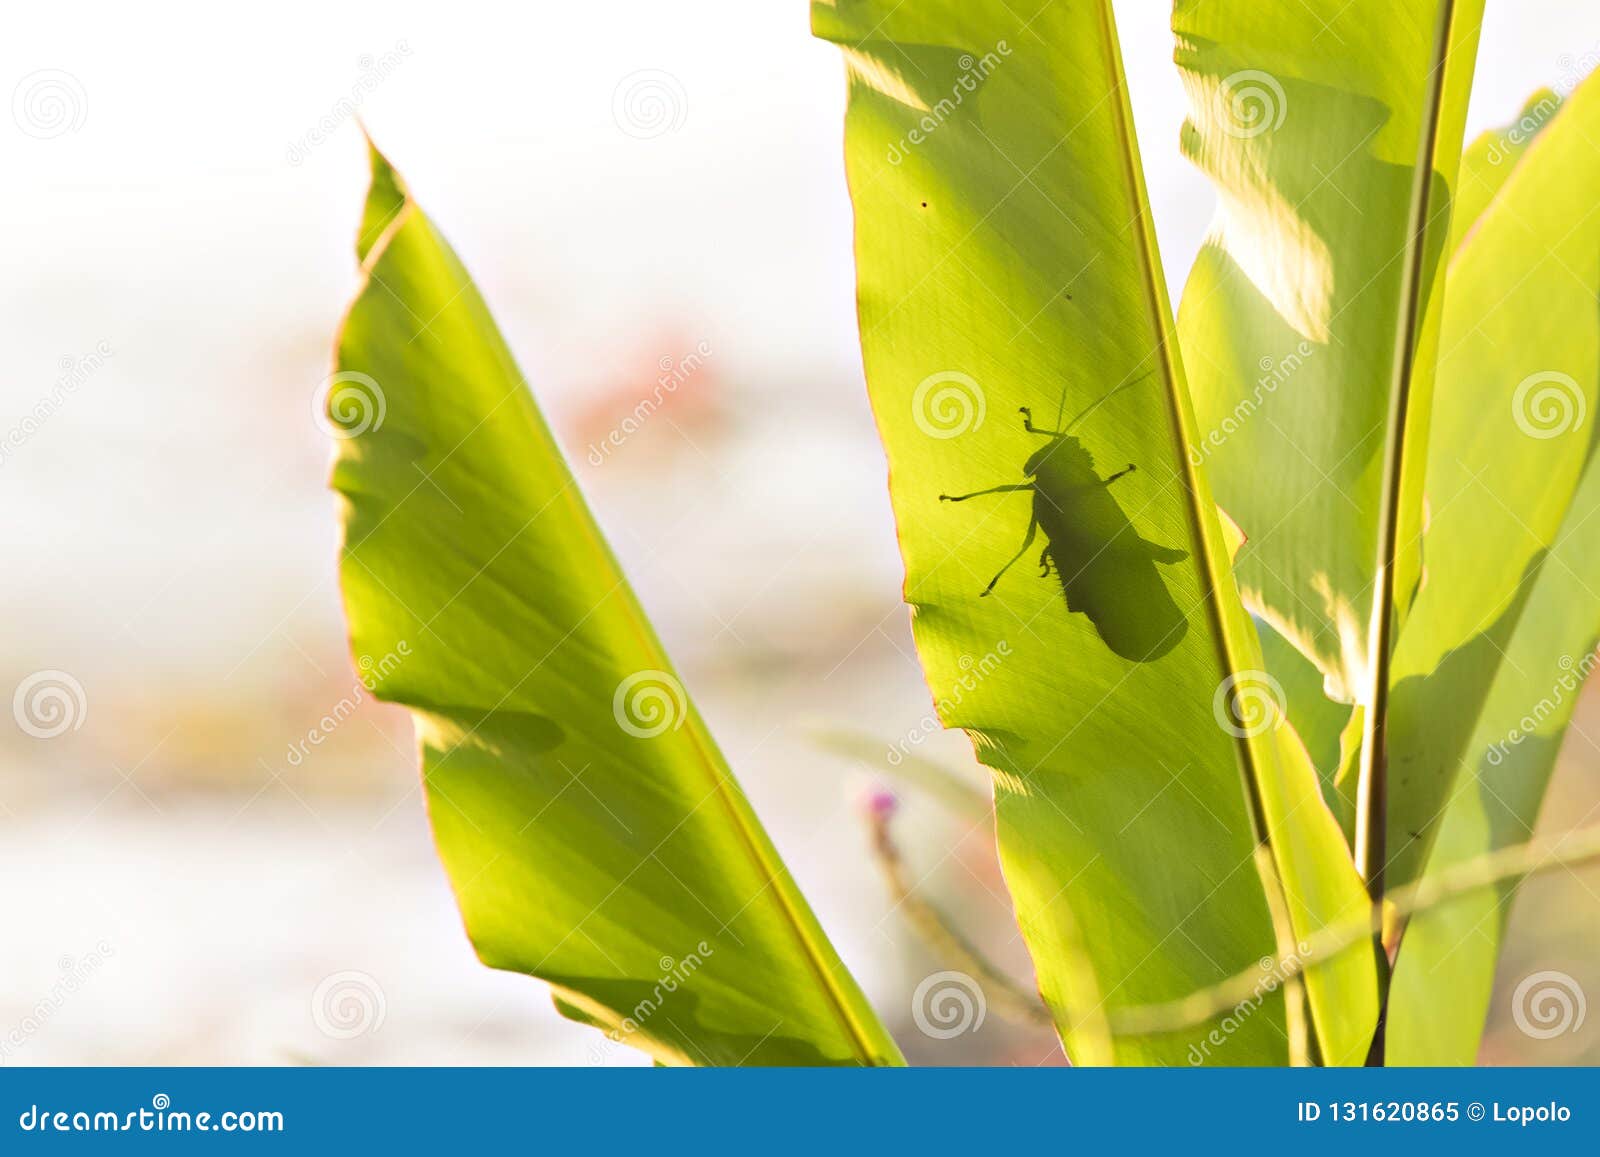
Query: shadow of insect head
[1106,571]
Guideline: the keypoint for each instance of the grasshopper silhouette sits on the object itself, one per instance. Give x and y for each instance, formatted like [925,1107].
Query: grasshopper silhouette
[1106,571]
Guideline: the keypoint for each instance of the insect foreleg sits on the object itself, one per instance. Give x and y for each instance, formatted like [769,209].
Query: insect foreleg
[1010,489]
[1027,541]
[1027,424]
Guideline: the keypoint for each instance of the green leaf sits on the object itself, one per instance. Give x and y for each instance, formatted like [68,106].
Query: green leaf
[1308,319]
[1490,160]
[1329,729]
[1005,259]
[1502,634]
[594,836]
[1333,144]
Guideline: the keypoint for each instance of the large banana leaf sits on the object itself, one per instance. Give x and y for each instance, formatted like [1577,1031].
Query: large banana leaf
[592,832]
[1110,678]
[1311,315]
[1503,633]
[1330,727]
[1333,140]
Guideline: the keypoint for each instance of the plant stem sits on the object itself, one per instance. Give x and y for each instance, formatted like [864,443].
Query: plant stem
[1372,788]
[1009,999]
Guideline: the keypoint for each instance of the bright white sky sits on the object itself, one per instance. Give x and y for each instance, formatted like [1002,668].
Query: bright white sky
[171,224]
[176,184]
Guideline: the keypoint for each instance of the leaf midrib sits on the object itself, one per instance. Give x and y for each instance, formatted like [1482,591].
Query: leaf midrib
[1372,787]
[1157,307]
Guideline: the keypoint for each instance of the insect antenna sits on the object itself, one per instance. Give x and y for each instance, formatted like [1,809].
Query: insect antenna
[1061,404]
[1100,401]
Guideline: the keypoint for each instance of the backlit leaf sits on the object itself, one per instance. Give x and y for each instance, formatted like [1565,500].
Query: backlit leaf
[1333,139]
[1109,677]
[1503,633]
[593,835]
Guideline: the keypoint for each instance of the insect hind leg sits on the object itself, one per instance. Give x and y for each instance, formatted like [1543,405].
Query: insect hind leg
[1009,488]
[1027,541]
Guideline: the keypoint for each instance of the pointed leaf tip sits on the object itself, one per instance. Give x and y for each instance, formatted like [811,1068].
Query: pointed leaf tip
[386,196]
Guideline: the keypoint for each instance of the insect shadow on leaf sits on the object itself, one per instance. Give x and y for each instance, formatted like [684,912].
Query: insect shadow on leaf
[1107,572]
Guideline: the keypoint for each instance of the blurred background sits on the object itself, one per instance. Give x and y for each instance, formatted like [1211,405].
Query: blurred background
[630,183]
